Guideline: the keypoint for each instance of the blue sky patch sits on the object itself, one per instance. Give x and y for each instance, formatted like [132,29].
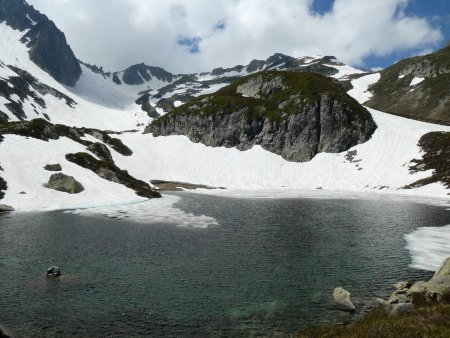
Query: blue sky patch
[191,43]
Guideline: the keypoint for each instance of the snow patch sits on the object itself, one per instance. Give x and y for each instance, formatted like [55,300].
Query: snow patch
[429,246]
[401,76]
[360,91]
[152,211]
[416,81]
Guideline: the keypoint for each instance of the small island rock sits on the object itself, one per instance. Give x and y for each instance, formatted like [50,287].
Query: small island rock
[53,271]
[5,208]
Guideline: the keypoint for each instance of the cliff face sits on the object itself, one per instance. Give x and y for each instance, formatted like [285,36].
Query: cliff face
[294,115]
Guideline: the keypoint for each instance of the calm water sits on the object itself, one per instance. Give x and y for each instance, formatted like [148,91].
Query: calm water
[269,268]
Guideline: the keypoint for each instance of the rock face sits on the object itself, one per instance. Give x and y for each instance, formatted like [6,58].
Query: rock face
[295,115]
[342,299]
[137,74]
[53,271]
[48,45]
[53,167]
[64,183]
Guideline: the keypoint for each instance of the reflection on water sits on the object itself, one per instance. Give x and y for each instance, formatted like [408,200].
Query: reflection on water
[266,267]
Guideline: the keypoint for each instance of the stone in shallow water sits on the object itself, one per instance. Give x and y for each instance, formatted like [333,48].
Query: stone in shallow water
[53,271]
[342,299]
[5,208]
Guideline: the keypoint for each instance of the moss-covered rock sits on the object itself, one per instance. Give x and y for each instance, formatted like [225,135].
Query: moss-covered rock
[296,115]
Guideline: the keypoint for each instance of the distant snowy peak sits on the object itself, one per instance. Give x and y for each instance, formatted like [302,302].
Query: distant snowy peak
[48,47]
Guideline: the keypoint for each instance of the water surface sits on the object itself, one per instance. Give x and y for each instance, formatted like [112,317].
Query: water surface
[268,268]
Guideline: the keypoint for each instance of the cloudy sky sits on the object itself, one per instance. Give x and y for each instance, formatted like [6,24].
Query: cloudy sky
[197,35]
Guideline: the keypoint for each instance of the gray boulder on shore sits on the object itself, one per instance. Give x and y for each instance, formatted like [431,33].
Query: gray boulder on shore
[64,183]
[342,299]
[5,208]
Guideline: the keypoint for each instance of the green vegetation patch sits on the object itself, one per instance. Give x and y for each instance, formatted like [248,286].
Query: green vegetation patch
[436,148]
[429,321]
[296,92]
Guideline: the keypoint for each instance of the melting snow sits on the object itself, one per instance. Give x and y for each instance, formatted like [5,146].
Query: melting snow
[416,81]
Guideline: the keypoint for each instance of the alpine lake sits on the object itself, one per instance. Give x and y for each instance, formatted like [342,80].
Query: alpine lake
[267,268]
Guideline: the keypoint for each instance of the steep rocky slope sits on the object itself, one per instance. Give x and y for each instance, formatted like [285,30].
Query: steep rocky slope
[417,88]
[296,115]
[48,47]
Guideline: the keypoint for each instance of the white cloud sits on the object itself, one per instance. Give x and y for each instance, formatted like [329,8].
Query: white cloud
[119,33]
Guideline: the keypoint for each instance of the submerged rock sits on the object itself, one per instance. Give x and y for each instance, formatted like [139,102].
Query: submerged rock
[342,299]
[65,183]
[53,271]
[53,167]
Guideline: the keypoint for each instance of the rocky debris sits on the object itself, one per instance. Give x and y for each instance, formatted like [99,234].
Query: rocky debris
[162,185]
[64,183]
[53,167]
[295,115]
[53,271]
[101,151]
[342,299]
[109,171]
[408,294]
[5,208]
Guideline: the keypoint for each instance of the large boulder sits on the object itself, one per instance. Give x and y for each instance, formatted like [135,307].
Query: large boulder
[342,299]
[402,309]
[439,285]
[64,183]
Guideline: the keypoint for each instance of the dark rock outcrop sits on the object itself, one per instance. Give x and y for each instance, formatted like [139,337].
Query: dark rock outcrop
[144,102]
[44,130]
[109,171]
[295,115]
[64,183]
[53,167]
[101,151]
[48,45]
[141,73]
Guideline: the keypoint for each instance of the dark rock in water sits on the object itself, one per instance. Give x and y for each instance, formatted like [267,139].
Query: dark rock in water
[101,151]
[65,183]
[295,115]
[53,271]
[53,167]
[5,208]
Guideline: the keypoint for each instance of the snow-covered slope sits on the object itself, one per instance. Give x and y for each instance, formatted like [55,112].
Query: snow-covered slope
[379,165]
